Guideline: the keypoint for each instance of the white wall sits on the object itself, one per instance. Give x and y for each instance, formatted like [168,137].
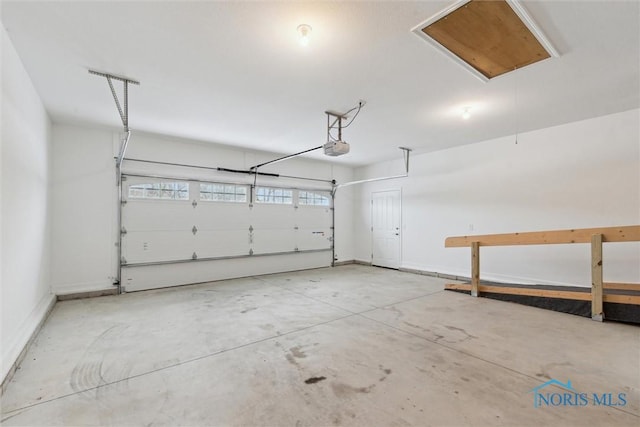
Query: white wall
[84,196]
[84,210]
[25,294]
[582,174]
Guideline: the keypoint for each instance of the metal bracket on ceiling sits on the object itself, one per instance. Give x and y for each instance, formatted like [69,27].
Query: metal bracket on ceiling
[123,110]
[338,117]
[405,153]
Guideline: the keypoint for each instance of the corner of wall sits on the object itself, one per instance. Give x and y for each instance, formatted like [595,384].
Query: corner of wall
[15,350]
[25,210]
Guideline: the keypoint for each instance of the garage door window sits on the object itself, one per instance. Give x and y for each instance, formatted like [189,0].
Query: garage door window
[160,191]
[276,196]
[223,192]
[308,198]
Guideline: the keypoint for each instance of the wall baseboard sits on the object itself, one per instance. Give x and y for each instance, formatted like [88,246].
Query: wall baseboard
[348,262]
[12,357]
[435,274]
[488,277]
[80,288]
[89,294]
[360,262]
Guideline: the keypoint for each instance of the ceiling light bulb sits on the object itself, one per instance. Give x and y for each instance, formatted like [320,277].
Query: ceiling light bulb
[304,31]
[466,114]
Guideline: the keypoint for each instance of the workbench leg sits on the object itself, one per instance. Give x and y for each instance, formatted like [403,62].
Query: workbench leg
[597,312]
[475,268]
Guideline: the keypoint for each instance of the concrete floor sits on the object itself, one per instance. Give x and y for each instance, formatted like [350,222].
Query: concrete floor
[351,345]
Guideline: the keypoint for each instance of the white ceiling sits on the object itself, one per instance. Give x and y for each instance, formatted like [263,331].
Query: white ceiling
[233,72]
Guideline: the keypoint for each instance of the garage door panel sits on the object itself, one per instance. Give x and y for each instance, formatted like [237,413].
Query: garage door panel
[222,216]
[273,240]
[274,216]
[313,238]
[222,243]
[151,215]
[313,217]
[158,246]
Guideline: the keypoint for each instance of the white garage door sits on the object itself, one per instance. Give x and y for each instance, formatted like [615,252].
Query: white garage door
[178,231]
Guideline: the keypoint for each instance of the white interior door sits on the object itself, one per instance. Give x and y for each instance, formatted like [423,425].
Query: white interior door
[385,228]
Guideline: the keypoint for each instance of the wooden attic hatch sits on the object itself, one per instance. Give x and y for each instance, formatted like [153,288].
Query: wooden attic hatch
[488,37]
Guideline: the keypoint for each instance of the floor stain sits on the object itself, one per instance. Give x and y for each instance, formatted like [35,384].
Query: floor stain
[291,359]
[314,380]
[296,352]
[453,328]
[438,337]
[544,369]
[396,310]
[344,390]
[386,371]
[413,325]
[426,330]
[248,309]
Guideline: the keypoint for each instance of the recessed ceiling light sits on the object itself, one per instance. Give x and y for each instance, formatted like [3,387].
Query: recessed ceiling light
[304,31]
[466,113]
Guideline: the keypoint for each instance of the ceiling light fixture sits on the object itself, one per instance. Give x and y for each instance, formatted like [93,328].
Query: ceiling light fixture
[304,31]
[466,114]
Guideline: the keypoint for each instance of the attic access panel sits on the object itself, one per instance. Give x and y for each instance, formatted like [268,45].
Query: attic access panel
[490,38]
